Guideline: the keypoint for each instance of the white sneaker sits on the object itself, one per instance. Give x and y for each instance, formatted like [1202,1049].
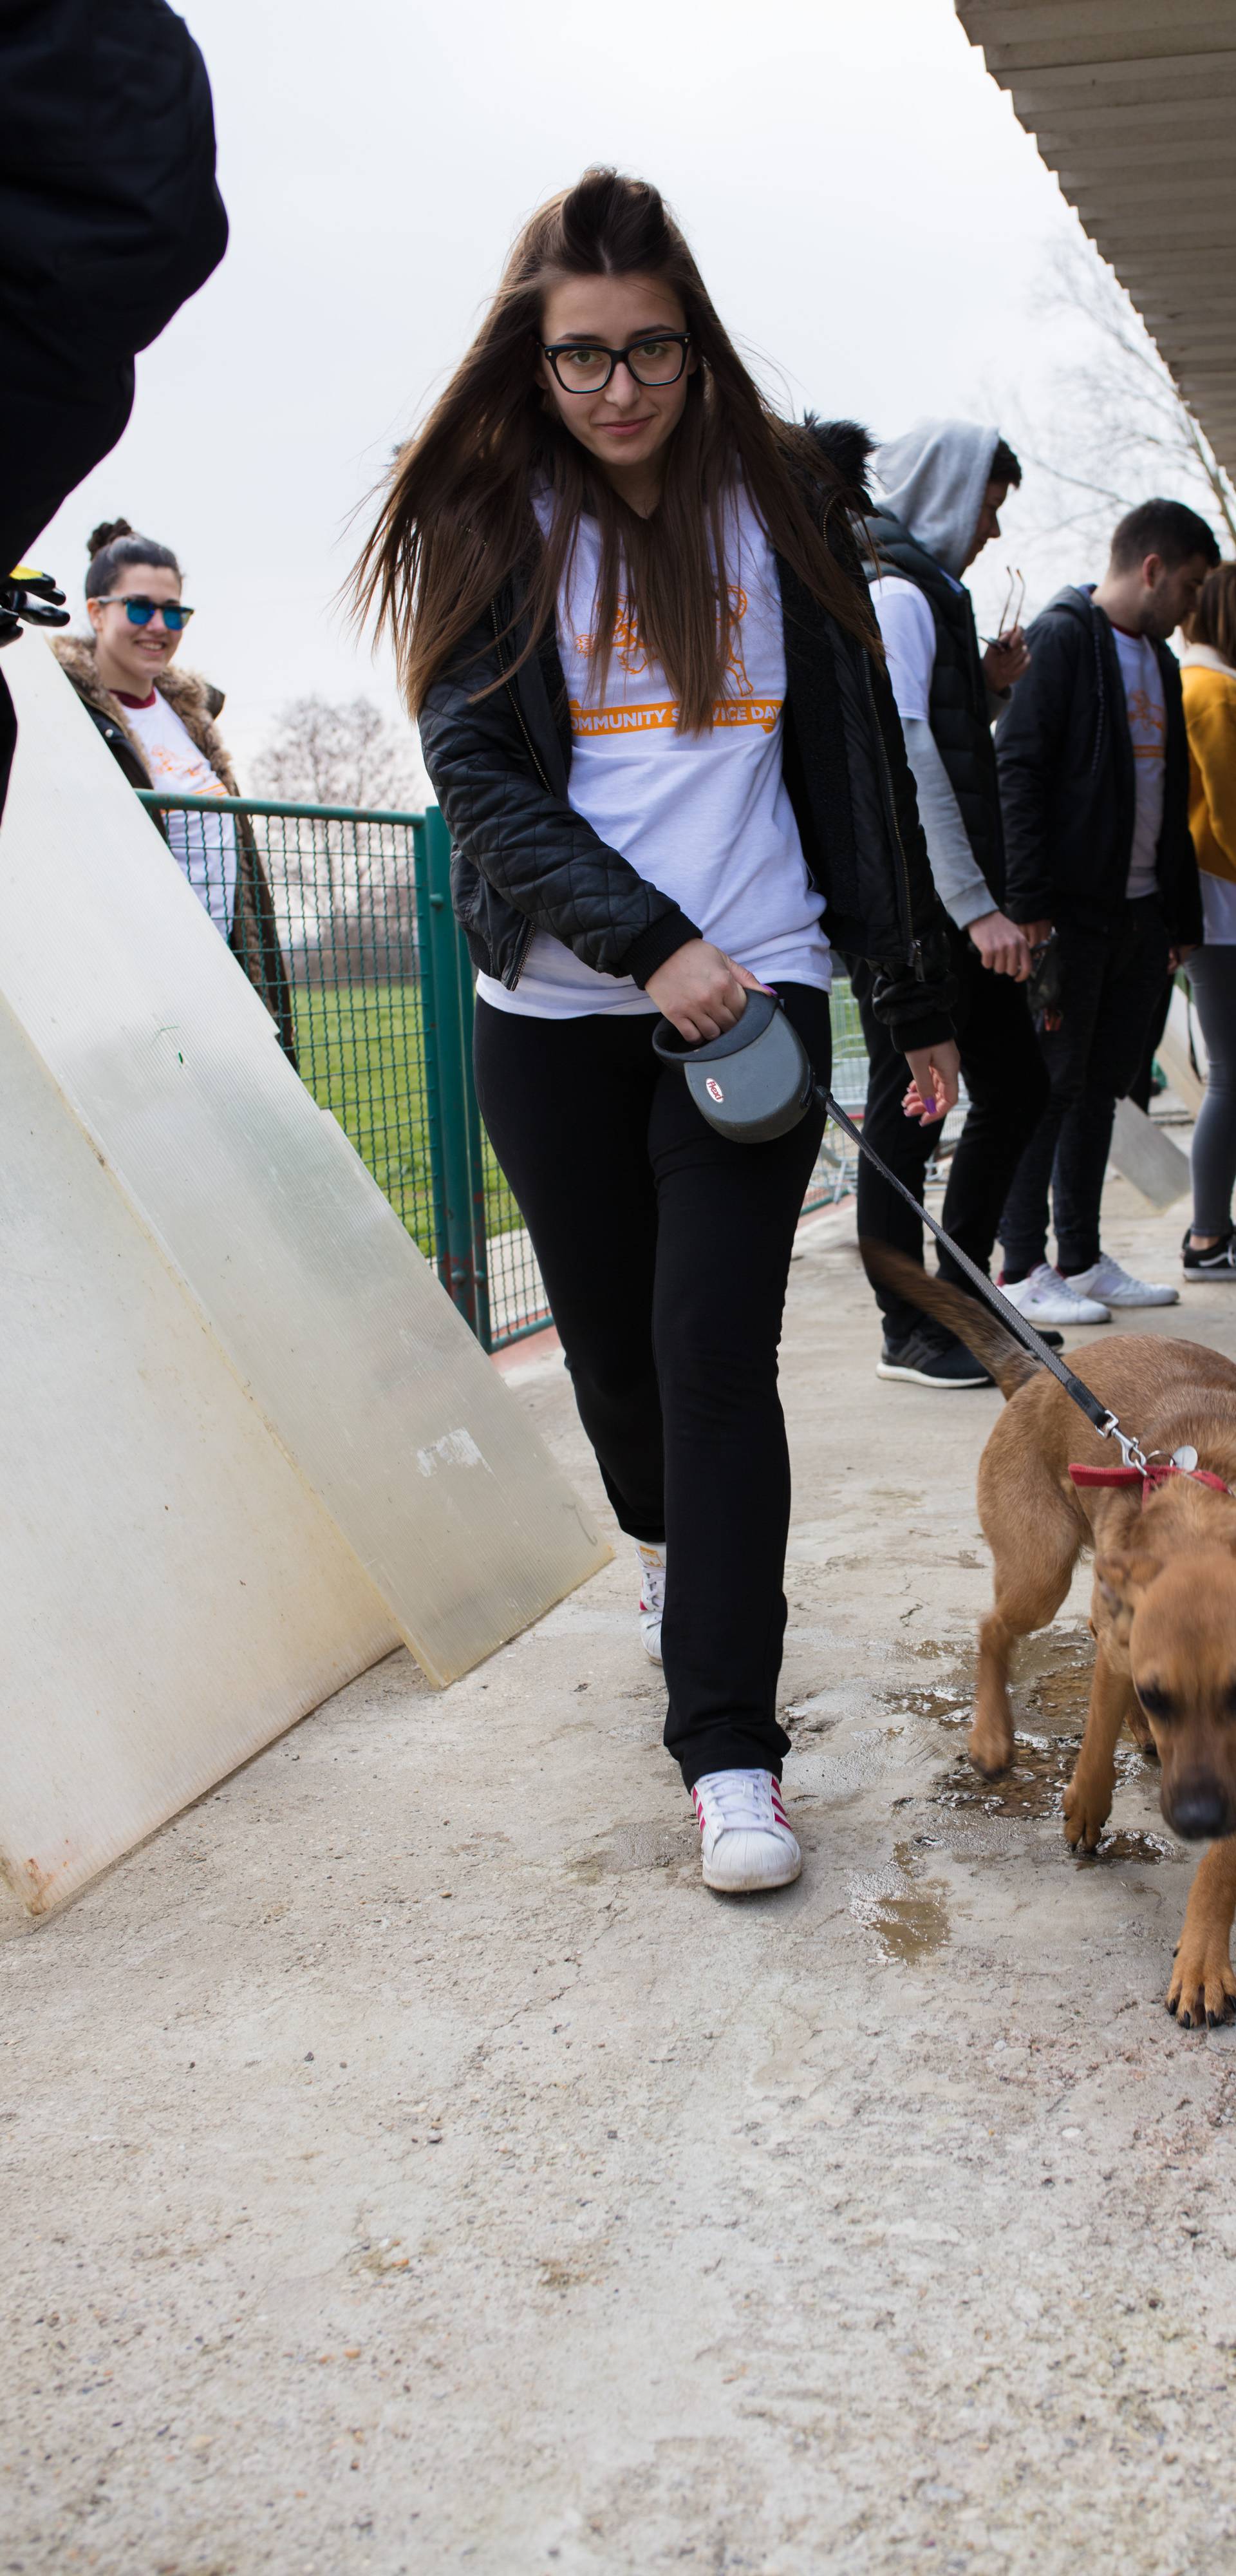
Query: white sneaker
[1045,1298]
[1105,1279]
[747,1843]
[651,1596]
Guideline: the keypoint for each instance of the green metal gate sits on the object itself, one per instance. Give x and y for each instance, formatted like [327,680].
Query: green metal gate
[382,1005]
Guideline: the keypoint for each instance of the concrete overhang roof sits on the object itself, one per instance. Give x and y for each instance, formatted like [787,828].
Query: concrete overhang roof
[1133,104]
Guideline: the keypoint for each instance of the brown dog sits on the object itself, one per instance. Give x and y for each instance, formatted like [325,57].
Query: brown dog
[1164,1606]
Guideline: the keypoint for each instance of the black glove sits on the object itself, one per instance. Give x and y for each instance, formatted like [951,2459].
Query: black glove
[29,598]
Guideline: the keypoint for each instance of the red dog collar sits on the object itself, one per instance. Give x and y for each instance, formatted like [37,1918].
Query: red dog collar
[1155,1473]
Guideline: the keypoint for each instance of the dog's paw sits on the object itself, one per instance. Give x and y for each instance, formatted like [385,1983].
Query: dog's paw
[990,1746]
[1203,1988]
[1087,1806]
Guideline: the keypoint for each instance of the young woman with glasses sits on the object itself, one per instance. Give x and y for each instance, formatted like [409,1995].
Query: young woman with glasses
[629,614]
[159,724]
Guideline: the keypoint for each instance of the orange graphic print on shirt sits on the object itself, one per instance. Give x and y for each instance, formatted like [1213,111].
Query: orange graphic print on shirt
[1147,725]
[740,705]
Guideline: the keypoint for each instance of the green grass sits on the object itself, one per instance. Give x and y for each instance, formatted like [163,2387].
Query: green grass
[361,1055]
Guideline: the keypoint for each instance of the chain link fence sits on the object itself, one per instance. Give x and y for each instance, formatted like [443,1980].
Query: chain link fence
[342,918]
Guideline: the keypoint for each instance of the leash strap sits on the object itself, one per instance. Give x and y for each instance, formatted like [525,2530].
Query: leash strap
[1096,1414]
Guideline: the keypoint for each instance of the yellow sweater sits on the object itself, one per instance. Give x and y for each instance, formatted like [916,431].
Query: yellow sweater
[1210,714]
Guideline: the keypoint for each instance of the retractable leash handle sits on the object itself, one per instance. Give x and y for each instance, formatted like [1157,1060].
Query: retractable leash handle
[757,1081]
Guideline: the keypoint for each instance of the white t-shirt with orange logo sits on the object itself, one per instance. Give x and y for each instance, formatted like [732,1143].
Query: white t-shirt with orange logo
[205,844]
[706,817]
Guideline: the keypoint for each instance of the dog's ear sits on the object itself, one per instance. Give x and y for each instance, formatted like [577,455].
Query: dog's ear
[1122,1579]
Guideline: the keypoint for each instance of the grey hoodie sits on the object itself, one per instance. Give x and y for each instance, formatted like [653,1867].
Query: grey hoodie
[933,479]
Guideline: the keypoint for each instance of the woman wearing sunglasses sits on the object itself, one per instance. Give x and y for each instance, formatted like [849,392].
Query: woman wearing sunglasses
[629,613]
[160,726]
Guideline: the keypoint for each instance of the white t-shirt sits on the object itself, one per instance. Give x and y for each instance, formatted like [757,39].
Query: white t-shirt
[706,817]
[1143,693]
[909,632]
[205,844]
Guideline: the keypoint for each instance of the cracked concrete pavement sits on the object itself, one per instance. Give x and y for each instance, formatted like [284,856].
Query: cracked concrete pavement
[408,2163]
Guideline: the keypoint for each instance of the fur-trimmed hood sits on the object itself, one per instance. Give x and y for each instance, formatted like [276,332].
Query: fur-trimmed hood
[193,699]
[847,446]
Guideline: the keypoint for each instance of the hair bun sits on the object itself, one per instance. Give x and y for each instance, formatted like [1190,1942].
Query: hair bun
[103,535]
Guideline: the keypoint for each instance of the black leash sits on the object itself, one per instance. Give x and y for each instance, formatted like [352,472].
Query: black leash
[1096,1414]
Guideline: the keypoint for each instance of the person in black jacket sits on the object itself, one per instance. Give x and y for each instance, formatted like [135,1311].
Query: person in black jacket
[944,485]
[630,615]
[1094,786]
[109,219]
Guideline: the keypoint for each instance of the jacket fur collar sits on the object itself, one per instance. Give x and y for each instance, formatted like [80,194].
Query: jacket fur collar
[191,698]
[1203,657]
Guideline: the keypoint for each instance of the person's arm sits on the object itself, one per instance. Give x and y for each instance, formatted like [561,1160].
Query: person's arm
[1029,740]
[535,850]
[960,882]
[109,218]
[908,630]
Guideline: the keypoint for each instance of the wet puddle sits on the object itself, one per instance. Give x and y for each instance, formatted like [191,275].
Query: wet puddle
[908,1915]
[1050,1689]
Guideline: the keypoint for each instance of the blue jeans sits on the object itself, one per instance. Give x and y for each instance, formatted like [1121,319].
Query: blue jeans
[1111,981]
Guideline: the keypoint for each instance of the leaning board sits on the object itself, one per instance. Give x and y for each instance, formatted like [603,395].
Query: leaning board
[249,1335]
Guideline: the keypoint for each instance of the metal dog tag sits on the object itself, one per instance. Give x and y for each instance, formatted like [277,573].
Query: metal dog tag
[1185,1458]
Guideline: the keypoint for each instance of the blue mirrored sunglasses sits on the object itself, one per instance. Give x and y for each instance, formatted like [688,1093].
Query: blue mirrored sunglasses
[140,611]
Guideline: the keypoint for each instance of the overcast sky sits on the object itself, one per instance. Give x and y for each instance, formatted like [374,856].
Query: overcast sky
[869,217]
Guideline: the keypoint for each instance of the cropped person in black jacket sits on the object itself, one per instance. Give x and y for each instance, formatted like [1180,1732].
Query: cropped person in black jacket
[1094,788]
[109,218]
[631,619]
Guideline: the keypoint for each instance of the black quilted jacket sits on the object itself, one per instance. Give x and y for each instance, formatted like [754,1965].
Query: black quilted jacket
[524,860]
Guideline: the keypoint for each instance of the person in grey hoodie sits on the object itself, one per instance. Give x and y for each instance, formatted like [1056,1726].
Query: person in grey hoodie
[944,484]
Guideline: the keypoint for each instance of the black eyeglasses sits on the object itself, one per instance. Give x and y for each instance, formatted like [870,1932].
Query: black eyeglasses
[582,368]
[140,611]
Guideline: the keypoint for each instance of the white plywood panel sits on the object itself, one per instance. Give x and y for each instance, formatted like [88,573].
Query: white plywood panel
[333,1322]
[173,1594]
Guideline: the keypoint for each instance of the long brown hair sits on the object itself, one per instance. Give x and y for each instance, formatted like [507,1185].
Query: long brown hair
[1214,619]
[456,521]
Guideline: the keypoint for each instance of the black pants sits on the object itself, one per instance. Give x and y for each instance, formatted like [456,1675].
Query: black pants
[1008,1090]
[1111,984]
[665,1250]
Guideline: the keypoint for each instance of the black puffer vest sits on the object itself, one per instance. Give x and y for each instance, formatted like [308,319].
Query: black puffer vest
[958,708]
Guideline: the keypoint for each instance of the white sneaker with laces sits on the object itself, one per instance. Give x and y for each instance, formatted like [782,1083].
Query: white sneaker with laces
[1106,1280]
[651,1596]
[747,1843]
[1045,1298]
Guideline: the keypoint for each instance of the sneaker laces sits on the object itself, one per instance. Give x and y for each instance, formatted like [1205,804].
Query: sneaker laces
[1106,1278]
[741,1799]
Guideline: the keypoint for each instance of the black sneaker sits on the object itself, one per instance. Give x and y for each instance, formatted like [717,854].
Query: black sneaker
[1218,1261]
[928,1358]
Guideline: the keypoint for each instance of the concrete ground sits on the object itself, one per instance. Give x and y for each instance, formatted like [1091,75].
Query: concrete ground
[409,2164]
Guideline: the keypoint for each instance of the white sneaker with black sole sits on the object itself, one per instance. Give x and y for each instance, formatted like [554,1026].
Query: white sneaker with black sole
[1043,1297]
[1217,1261]
[651,1596]
[745,1837]
[1115,1289]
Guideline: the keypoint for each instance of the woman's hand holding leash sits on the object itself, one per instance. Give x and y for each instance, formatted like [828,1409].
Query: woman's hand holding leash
[936,1074]
[703,991]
